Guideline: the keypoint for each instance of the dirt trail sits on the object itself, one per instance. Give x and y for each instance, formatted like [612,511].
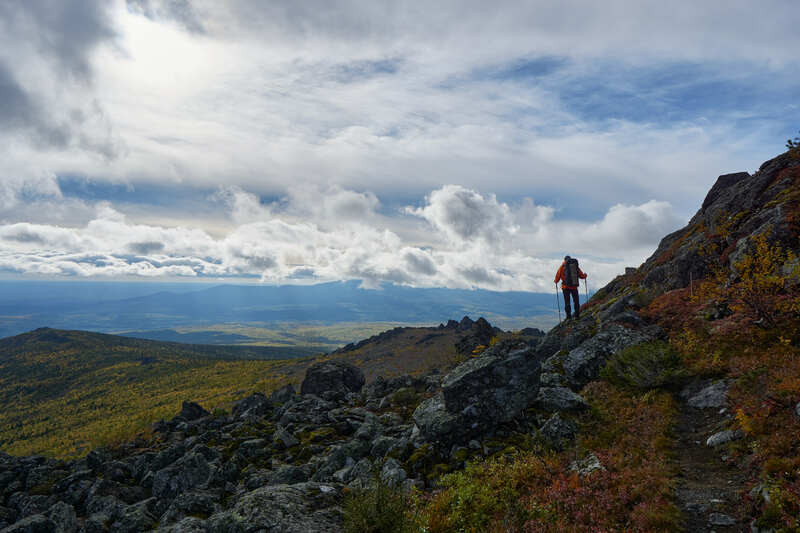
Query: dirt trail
[710,490]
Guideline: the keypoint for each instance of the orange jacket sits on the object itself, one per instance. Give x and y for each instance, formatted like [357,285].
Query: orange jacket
[560,276]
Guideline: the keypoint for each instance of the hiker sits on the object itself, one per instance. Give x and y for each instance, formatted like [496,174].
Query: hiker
[570,274]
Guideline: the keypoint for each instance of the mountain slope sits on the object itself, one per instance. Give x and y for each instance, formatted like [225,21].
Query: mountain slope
[66,392]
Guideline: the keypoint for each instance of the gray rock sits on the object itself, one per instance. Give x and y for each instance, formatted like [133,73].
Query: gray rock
[37,523]
[253,448]
[392,473]
[253,406]
[369,429]
[557,430]
[192,411]
[301,508]
[307,410]
[560,399]
[714,395]
[720,519]
[289,475]
[190,524]
[283,395]
[361,474]
[434,421]
[480,394]
[63,516]
[135,518]
[332,376]
[552,379]
[797,410]
[187,473]
[284,438]
[191,503]
[722,437]
[584,467]
[582,364]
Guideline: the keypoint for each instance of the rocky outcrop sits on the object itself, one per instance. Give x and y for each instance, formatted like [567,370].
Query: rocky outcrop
[736,208]
[332,378]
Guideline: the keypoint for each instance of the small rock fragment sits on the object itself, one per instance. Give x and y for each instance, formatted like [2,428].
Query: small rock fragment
[720,519]
[724,436]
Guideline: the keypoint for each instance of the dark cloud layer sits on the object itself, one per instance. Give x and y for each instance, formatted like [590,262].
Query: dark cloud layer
[63,30]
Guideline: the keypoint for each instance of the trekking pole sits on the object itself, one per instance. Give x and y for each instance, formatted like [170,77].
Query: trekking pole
[558,305]
[586,287]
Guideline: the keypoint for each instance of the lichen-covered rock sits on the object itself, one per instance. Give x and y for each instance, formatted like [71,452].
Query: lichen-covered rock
[392,473]
[37,523]
[332,376]
[189,472]
[714,395]
[724,436]
[492,389]
[301,508]
[560,399]
[283,438]
[557,431]
[288,475]
[434,421]
[64,517]
[586,466]
[253,406]
[283,395]
[582,364]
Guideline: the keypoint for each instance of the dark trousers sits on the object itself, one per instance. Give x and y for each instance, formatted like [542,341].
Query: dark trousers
[575,299]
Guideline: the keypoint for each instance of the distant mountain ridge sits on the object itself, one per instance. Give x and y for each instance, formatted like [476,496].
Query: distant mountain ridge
[111,308]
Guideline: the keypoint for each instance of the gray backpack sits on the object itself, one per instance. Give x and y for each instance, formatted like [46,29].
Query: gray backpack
[571,273]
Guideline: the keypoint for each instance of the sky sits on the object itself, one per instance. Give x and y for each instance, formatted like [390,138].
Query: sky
[465,144]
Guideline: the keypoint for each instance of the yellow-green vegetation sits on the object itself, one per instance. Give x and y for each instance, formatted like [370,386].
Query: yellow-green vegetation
[325,337]
[379,508]
[645,366]
[539,491]
[64,393]
[756,345]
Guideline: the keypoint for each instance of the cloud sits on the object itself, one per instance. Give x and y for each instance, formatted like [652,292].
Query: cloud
[470,240]
[465,216]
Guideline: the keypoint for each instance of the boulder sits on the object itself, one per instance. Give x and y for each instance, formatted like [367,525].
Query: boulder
[332,376]
[714,395]
[724,436]
[37,523]
[494,388]
[582,364]
[187,473]
[797,410]
[300,508]
[721,520]
[434,421]
[283,438]
[192,411]
[559,399]
[288,475]
[392,473]
[64,517]
[283,395]
[135,518]
[557,431]
[586,466]
[255,405]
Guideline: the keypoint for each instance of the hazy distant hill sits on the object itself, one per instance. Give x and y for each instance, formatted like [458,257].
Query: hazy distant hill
[113,307]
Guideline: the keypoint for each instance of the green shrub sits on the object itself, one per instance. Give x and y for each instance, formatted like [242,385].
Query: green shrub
[644,366]
[379,508]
